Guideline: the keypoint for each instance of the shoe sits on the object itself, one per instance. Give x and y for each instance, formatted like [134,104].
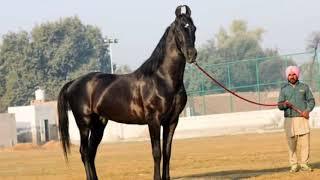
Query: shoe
[294,168]
[305,167]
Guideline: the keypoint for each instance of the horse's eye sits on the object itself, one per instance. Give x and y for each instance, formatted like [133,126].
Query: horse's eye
[186,25]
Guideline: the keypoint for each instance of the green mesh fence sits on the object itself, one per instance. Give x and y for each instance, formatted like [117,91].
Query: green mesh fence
[257,79]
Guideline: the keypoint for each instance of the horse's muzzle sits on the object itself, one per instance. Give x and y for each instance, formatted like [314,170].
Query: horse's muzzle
[191,55]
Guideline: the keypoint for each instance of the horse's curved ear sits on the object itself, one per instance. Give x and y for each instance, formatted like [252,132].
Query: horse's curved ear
[183,9]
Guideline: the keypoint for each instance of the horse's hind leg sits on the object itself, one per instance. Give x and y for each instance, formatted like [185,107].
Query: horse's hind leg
[84,145]
[90,130]
[84,135]
[96,134]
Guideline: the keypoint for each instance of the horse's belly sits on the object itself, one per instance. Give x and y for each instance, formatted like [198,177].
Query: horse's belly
[120,109]
[124,115]
[129,120]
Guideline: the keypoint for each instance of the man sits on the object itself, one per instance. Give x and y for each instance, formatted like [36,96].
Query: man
[296,125]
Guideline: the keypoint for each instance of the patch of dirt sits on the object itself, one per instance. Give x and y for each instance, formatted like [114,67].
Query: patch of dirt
[25,146]
[51,144]
[243,156]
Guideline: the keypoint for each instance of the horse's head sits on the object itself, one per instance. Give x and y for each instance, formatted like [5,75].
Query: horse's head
[184,31]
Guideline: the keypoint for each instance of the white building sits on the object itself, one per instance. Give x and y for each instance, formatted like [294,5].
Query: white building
[37,122]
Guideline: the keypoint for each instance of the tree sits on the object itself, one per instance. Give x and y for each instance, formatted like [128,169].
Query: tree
[239,43]
[16,69]
[67,49]
[53,53]
[122,69]
[313,41]
[310,70]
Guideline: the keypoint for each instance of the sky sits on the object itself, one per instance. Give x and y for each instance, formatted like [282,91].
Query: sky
[140,24]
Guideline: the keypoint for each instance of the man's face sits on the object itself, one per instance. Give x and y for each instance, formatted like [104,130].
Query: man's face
[292,78]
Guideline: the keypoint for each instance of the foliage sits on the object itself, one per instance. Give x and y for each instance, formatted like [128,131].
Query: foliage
[122,69]
[51,54]
[310,70]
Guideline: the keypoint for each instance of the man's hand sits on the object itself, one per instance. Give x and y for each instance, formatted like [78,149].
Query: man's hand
[305,114]
[288,104]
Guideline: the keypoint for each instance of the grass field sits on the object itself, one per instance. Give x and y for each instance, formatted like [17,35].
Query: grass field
[248,156]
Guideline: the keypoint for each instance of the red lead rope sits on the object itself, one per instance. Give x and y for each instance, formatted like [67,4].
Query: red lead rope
[235,94]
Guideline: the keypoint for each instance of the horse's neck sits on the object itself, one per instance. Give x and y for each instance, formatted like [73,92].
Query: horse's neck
[172,67]
[165,61]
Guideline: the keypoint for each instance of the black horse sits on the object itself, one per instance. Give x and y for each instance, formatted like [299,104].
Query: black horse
[154,94]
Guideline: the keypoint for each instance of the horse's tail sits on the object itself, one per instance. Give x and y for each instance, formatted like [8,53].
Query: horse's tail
[63,119]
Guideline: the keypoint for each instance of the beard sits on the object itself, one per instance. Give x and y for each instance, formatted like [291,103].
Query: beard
[293,80]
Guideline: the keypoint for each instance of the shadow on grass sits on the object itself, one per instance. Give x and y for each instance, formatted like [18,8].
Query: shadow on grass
[239,174]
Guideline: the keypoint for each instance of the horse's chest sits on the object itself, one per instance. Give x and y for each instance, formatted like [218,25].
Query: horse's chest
[159,104]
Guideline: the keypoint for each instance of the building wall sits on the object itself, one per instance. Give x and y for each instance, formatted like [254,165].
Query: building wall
[8,135]
[32,117]
[24,116]
[235,123]
[45,112]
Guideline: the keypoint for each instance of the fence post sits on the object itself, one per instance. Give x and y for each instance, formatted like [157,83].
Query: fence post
[203,95]
[229,86]
[318,61]
[258,82]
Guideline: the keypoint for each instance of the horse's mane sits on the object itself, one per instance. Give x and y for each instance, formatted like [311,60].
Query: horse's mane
[156,58]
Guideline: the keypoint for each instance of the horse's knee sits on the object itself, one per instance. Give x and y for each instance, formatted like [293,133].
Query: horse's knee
[156,154]
[84,152]
[82,149]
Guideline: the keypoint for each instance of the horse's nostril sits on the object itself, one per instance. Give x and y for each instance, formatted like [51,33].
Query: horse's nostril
[195,53]
[192,53]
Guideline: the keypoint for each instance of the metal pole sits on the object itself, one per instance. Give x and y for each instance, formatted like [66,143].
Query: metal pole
[108,42]
[110,55]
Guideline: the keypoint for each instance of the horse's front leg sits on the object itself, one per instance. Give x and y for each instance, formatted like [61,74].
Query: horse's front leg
[154,130]
[168,131]
[169,127]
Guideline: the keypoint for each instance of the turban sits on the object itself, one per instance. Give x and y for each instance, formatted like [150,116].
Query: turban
[292,70]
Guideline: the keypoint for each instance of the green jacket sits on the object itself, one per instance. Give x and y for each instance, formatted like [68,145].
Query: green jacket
[299,95]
